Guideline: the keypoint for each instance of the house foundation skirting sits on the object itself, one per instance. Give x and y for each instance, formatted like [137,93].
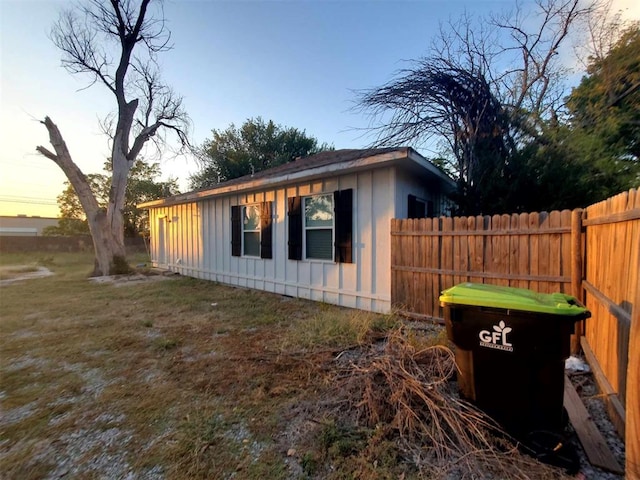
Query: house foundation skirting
[360,300]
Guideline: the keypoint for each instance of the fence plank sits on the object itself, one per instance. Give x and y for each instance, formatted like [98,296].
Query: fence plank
[544,266]
[593,442]
[447,252]
[523,251]
[632,439]
[534,222]
[418,277]
[555,251]
[575,255]
[436,261]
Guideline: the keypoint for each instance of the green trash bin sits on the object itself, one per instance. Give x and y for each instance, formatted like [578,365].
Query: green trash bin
[511,345]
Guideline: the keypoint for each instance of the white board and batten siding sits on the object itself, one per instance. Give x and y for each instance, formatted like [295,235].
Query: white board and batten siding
[194,239]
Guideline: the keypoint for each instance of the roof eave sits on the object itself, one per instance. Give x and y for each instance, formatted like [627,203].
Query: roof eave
[431,168]
[307,174]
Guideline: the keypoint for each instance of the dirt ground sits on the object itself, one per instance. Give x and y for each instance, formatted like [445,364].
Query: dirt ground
[143,378]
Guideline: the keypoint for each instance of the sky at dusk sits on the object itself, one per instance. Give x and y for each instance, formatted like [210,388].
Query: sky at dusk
[298,63]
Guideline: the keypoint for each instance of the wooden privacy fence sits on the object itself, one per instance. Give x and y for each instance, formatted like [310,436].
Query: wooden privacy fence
[593,254]
[527,250]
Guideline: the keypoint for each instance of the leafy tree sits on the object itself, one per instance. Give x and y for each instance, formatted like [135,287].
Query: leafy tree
[605,108]
[253,147]
[67,226]
[562,169]
[116,44]
[141,187]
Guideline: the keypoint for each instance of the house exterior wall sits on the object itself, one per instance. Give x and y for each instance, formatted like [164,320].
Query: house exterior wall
[410,184]
[197,242]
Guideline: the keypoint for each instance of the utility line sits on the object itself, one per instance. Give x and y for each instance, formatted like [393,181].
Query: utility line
[30,200]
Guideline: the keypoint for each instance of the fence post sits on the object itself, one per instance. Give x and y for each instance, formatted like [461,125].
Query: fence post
[632,427]
[576,272]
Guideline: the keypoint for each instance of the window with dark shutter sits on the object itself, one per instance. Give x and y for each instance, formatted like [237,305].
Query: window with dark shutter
[265,230]
[411,206]
[236,231]
[295,227]
[343,202]
[416,207]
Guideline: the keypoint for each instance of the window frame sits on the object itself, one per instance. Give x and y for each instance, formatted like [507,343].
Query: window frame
[306,228]
[257,230]
[265,221]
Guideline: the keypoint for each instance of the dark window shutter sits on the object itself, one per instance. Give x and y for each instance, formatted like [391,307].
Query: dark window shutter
[295,227]
[236,231]
[412,207]
[430,211]
[343,205]
[416,208]
[265,230]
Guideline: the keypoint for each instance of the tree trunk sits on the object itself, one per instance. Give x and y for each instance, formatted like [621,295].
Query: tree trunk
[106,230]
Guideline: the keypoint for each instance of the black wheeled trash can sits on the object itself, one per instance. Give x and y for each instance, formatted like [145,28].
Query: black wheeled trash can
[511,346]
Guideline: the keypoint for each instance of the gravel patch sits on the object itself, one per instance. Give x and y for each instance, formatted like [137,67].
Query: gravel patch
[15,415]
[27,362]
[40,272]
[88,452]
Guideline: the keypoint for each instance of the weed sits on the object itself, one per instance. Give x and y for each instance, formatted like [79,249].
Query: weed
[119,265]
[309,464]
[147,323]
[340,441]
[337,328]
[164,344]
[46,261]
[268,466]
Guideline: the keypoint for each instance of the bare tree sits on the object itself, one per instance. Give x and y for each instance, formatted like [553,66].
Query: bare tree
[439,98]
[485,86]
[98,39]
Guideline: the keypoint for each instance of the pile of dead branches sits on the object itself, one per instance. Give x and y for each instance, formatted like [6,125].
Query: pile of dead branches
[408,389]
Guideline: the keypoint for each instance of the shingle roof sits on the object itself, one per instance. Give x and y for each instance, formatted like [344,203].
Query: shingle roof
[318,160]
[297,169]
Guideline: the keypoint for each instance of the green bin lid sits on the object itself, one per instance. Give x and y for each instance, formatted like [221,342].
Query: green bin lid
[483,295]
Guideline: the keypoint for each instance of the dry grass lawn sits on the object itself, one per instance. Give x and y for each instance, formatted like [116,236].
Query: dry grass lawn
[184,379]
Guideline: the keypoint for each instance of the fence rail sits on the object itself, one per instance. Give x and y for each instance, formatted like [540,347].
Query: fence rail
[592,254]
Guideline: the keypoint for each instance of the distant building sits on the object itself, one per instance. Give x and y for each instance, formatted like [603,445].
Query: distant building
[23,226]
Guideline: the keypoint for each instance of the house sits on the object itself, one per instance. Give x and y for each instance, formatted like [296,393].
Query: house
[315,228]
[24,226]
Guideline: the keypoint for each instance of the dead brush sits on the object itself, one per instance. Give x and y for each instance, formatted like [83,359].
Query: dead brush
[406,388]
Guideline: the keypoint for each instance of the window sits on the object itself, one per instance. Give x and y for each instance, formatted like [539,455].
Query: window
[318,227]
[323,224]
[251,230]
[419,208]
